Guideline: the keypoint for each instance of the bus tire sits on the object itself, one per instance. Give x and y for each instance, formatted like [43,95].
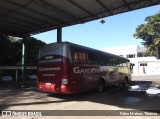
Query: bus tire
[100,86]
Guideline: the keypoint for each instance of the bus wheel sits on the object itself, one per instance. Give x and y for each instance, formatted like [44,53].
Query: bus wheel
[100,86]
[125,82]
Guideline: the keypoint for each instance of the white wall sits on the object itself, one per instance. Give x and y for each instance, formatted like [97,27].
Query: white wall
[122,50]
[153,65]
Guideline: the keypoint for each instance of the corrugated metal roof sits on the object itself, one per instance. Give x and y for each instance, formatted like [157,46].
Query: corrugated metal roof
[25,17]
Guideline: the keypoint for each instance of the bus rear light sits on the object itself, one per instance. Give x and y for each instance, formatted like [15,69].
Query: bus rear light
[64,81]
[40,86]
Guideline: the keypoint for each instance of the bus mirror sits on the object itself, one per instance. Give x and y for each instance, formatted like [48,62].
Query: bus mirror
[131,66]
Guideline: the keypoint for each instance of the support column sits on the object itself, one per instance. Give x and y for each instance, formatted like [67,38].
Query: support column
[59,34]
[16,75]
[23,61]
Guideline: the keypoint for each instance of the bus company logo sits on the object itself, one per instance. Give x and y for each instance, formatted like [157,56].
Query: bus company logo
[79,70]
[49,69]
[48,57]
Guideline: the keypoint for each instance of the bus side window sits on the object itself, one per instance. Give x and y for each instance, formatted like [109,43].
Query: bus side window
[74,55]
[82,57]
[92,58]
[75,58]
[78,55]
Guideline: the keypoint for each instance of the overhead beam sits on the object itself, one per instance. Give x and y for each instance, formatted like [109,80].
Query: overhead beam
[9,23]
[120,9]
[100,3]
[147,2]
[133,5]
[20,20]
[151,1]
[8,32]
[34,11]
[75,4]
[12,11]
[53,8]
[125,2]
[40,30]
[20,14]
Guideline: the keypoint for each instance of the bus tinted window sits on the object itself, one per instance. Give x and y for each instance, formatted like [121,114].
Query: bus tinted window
[95,58]
[79,56]
[92,58]
[75,56]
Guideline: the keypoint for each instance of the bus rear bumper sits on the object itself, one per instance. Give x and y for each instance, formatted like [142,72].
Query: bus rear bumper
[52,88]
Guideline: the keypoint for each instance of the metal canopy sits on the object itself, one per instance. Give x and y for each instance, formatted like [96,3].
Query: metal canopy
[26,17]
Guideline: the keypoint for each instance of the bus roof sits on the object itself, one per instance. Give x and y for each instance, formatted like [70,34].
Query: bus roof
[90,49]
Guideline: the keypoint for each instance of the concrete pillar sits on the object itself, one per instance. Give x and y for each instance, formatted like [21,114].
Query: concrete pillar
[16,75]
[23,61]
[59,34]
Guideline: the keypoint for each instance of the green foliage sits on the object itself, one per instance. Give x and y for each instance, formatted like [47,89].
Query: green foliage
[11,50]
[149,33]
[7,49]
[33,46]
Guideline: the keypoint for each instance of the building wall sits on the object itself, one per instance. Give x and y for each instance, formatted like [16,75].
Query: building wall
[145,65]
[122,50]
[142,65]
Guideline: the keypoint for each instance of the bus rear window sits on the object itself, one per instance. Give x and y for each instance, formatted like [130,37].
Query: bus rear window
[50,58]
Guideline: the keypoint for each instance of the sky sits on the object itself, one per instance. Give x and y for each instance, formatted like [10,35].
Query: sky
[117,30]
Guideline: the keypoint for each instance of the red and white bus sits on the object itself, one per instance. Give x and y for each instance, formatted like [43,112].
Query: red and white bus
[69,68]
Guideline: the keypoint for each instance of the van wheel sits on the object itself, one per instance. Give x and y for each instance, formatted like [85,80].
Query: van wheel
[100,86]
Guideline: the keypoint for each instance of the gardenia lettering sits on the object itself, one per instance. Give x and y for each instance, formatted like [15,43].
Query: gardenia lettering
[49,69]
[85,70]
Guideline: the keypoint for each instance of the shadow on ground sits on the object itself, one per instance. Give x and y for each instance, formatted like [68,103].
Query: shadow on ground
[132,98]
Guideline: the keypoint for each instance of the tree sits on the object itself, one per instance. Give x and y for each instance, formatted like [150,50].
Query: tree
[7,51]
[149,32]
[33,46]
[32,49]
[11,50]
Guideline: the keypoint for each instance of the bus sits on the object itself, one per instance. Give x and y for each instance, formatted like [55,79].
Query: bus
[67,68]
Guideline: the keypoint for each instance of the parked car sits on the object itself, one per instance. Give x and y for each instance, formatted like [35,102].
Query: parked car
[31,77]
[5,78]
